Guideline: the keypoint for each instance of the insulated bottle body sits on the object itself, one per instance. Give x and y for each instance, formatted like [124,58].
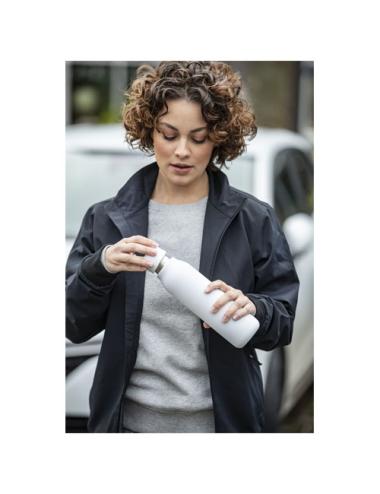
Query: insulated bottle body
[188,285]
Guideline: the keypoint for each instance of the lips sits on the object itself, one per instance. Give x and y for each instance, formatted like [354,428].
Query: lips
[180,166]
[180,169]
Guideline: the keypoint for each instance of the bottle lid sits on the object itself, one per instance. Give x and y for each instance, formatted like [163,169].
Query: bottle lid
[161,253]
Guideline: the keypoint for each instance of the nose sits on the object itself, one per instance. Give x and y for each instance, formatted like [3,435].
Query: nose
[182,151]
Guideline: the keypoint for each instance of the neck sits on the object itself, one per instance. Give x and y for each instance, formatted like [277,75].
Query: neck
[168,193]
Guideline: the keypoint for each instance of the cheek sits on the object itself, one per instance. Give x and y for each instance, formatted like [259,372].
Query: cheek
[161,148]
[205,153]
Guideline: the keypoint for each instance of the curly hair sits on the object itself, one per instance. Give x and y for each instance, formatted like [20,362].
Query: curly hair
[212,84]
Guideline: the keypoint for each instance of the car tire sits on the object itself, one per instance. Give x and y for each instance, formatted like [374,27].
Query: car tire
[76,424]
[274,391]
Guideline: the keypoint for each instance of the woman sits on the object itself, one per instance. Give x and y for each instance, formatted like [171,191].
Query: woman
[160,369]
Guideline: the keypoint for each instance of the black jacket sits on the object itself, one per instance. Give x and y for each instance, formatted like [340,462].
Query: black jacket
[243,245]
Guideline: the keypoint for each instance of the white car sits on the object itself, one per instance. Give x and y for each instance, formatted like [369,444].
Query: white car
[276,168]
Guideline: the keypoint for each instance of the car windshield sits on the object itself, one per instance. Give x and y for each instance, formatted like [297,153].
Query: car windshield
[93,176]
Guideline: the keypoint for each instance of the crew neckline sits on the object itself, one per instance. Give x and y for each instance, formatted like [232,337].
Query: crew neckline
[188,204]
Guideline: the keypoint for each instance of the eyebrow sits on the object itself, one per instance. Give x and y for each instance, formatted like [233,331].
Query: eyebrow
[174,128]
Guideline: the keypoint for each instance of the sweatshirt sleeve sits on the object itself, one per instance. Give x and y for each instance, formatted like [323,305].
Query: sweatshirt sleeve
[88,285]
[276,287]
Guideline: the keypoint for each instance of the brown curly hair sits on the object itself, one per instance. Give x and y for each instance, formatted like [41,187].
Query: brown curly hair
[212,84]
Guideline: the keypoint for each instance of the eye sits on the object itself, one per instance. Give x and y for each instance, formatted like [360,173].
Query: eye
[169,138]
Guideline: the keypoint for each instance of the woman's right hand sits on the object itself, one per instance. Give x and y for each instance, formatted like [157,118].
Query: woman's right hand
[122,255]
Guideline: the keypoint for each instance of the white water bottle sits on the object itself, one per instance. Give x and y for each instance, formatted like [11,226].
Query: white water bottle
[188,285]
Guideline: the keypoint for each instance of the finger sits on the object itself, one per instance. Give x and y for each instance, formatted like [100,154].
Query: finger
[217,284]
[206,326]
[232,311]
[131,260]
[135,248]
[241,300]
[240,313]
[130,268]
[140,261]
[223,299]
[243,311]
[118,267]
[135,268]
[139,239]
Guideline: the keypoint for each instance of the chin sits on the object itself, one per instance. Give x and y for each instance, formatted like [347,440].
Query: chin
[181,180]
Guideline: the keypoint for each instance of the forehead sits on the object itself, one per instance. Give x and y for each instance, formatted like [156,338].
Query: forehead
[184,113]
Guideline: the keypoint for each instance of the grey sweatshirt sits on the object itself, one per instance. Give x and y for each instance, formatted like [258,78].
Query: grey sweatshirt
[169,390]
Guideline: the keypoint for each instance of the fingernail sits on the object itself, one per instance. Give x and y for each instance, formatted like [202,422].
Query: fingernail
[234,318]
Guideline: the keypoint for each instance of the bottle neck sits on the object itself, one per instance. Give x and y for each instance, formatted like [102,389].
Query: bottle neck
[161,264]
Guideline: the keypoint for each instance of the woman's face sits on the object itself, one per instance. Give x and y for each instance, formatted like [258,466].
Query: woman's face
[181,143]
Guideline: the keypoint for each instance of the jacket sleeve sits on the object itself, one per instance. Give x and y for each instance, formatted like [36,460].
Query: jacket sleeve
[276,287]
[88,286]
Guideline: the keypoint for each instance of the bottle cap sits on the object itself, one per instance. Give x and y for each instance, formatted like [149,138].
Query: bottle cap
[161,253]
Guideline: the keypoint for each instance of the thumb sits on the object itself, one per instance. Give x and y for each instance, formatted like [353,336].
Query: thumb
[205,325]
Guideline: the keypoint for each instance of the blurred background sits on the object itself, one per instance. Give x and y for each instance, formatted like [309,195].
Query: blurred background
[277,168]
[280,92]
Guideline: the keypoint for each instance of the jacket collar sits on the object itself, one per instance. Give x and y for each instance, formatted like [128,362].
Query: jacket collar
[129,210]
[137,191]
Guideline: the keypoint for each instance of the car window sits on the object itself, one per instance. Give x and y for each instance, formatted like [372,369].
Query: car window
[93,176]
[293,183]
[240,173]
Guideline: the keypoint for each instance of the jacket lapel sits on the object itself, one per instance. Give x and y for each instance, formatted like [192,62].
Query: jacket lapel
[129,209]
[214,224]
[128,226]
[222,206]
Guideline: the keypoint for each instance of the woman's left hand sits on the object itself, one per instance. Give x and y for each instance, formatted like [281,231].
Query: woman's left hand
[242,304]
